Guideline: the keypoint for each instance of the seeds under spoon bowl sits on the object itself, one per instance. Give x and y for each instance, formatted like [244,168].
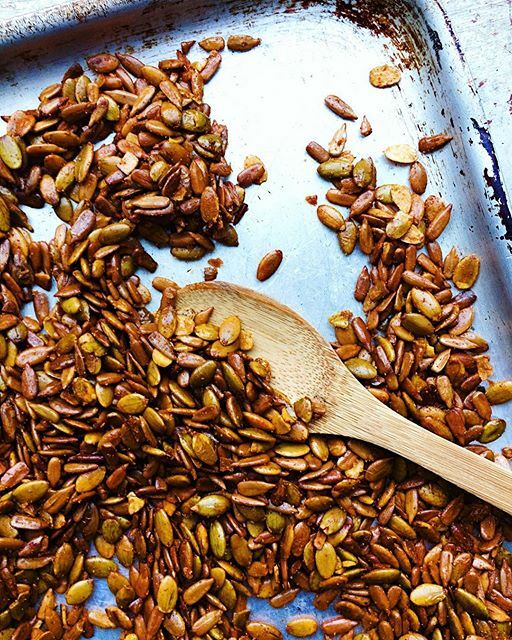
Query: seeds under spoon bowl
[304,364]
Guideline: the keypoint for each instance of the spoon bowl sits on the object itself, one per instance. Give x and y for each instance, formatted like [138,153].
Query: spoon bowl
[304,364]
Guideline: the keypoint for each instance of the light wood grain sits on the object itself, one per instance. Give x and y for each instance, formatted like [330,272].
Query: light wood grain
[304,364]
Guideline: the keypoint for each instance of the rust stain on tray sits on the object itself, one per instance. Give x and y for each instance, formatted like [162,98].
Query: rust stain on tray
[383,18]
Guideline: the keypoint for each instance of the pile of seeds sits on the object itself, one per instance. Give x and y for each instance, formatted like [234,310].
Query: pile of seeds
[164,172]
[415,349]
[151,451]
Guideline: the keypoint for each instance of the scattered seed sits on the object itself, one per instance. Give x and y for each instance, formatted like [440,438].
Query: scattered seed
[242,43]
[428,144]
[302,627]
[366,127]
[214,43]
[466,272]
[269,264]
[330,217]
[340,107]
[385,76]
[401,153]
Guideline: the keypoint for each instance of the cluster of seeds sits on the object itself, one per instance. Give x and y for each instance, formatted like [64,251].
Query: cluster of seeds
[151,451]
[164,172]
[415,349]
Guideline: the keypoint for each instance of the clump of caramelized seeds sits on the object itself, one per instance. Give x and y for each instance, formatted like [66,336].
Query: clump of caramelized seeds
[157,440]
[416,349]
[164,175]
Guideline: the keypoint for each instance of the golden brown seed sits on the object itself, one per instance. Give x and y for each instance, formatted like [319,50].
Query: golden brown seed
[269,264]
[326,560]
[426,303]
[418,177]
[30,491]
[302,627]
[198,590]
[335,626]
[337,143]
[263,631]
[385,76]
[399,225]
[466,272]
[206,622]
[90,480]
[362,369]
[229,330]
[10,152]
[212,506]
[347,238]
[499,392]
[242,43]
[132,404]
[100,619]
[330,217]
[214,43]
[428,144]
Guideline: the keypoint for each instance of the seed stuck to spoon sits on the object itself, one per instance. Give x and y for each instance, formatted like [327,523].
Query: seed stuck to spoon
[304,364]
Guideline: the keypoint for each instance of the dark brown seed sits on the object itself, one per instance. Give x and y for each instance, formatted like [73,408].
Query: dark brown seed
[250,175]
[317,152]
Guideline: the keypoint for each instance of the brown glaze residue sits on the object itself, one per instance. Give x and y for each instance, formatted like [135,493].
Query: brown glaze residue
[386,18]
[382,18]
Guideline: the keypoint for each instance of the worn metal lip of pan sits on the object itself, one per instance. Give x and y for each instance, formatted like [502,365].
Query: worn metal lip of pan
[271,98]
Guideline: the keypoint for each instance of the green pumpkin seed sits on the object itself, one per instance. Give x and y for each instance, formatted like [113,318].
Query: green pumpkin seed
[167,594]
[31,491]
[99,567]
[335,168]
[362,369]
[90,480]
[132,404]
[326,560]
[10,152]
[212,506]
[471,603]
[163,528]
[195,121]
[203,374]
[79,592]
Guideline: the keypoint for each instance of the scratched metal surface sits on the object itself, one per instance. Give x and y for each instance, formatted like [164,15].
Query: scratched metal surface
[272,100]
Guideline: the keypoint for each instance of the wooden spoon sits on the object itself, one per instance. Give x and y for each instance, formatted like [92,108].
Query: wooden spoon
[304,364]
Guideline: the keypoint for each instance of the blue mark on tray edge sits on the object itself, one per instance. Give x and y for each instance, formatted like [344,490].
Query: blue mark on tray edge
[494,181]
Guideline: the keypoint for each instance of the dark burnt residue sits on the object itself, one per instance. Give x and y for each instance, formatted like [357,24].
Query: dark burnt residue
[386,18]
[382,18]
[437,45]
[494,181]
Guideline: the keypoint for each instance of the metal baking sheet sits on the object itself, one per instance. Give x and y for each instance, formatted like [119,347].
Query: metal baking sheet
[272,101]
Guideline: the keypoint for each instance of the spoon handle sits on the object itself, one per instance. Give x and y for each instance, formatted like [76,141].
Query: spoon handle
[377,423]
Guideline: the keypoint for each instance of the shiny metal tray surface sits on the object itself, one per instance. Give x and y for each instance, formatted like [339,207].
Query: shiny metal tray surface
[271,98]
